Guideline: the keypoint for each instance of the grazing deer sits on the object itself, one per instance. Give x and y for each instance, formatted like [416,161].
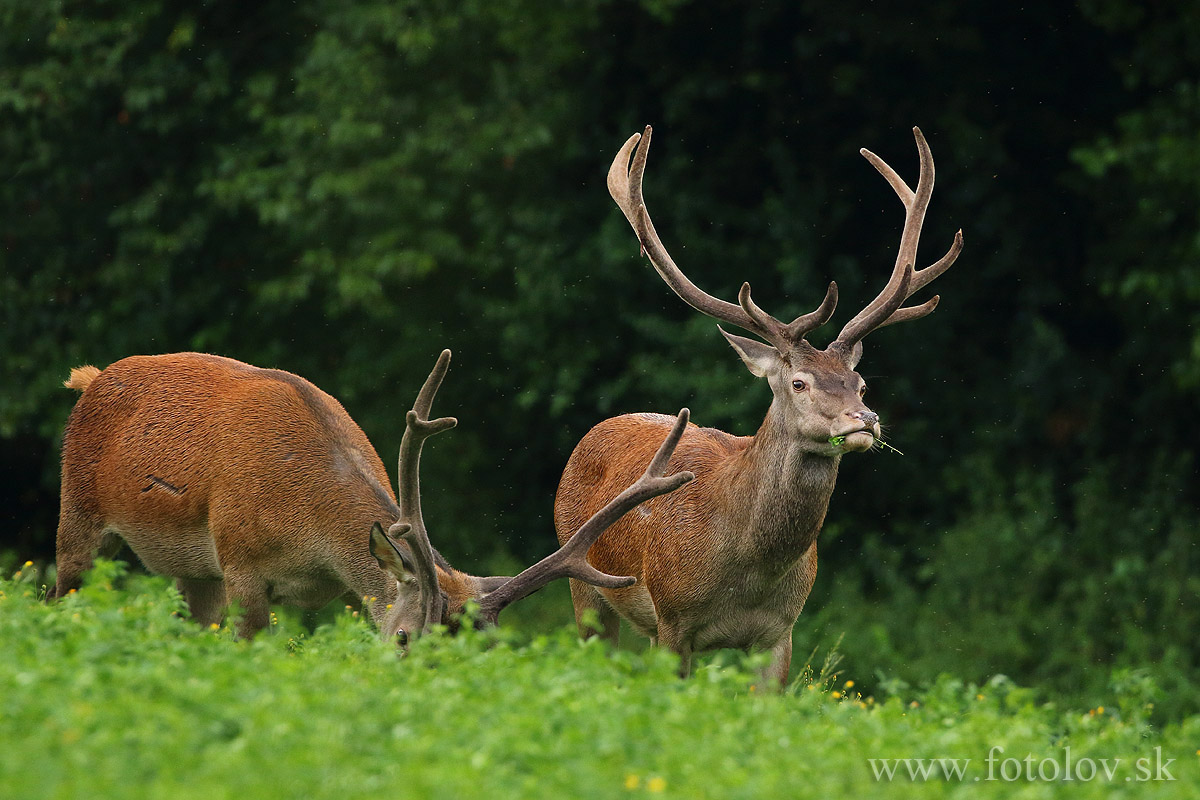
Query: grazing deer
[729,560]
[253,485]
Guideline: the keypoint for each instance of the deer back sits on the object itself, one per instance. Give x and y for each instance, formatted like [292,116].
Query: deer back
[179,451]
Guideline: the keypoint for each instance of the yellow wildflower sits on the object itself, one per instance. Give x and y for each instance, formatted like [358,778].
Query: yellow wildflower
[632,781]
[656,785]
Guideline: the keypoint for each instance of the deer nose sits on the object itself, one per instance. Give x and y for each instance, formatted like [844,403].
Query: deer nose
[868,418]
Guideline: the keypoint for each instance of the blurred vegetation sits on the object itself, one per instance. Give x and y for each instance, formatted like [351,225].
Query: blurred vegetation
[342,189]
[113,694]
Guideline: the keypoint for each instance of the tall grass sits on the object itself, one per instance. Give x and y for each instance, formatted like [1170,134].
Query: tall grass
[112,692]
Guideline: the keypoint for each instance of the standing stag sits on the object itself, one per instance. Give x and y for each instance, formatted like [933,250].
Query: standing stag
[253,485]
[729,560]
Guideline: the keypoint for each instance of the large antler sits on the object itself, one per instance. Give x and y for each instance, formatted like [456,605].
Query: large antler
[571,559]
[904,281]
[625,186]
[411,525]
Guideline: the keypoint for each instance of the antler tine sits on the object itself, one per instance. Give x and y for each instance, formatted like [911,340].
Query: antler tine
[571,559]
[915,205]
[798,328]
[618,180]
[411,525]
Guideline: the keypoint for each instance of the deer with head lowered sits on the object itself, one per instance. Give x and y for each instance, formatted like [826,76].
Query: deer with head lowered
[253,485]
[729,560]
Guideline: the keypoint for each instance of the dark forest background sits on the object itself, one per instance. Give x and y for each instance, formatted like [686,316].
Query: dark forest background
[341,189]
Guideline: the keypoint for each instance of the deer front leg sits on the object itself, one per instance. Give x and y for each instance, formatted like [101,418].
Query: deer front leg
[585,598]
[776,673]
[675,640]
[205,599]
[250,593]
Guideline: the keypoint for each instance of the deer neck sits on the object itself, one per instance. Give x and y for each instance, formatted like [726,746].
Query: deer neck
[782,492]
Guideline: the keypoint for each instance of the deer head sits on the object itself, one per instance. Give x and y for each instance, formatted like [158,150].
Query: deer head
[817,393]
[420,599]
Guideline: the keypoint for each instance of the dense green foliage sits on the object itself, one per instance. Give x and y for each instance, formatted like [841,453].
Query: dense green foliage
[112,694]
[342,189]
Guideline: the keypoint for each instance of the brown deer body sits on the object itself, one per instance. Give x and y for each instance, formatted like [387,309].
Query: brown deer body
[729,560]
[253,485]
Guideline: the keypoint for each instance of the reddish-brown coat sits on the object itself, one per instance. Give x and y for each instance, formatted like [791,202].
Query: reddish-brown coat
[703,580]
[242,483]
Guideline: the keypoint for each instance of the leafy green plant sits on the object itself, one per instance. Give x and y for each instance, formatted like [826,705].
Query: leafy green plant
[111,692]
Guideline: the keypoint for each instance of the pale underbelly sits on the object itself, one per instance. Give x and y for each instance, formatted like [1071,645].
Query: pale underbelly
[308,592]
[187,554]
[744,629]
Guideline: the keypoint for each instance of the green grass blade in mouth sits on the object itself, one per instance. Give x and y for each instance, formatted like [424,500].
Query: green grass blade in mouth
[838,441]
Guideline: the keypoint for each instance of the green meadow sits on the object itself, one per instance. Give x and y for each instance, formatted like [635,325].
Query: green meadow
[113,693]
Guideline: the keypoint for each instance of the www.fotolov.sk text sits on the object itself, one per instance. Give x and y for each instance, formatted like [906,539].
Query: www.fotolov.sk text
[999,767]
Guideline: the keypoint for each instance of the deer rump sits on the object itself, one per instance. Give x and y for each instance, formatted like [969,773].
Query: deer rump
[205,466]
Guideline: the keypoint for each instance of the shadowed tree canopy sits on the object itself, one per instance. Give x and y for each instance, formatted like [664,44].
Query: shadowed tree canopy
[343,189]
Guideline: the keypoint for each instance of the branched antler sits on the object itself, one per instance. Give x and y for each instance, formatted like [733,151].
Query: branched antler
[625,186]
[571,559]
[411,525]
[886,309]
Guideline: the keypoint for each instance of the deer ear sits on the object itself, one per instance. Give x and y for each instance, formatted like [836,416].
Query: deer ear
[761,359]
[391,559]
[854,355]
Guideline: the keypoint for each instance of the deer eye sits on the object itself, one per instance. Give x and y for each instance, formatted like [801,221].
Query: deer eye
[862,390]
[799,385]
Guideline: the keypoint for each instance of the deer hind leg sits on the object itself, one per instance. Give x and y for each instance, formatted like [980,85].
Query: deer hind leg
[585,598]
[80,539]
[205,599]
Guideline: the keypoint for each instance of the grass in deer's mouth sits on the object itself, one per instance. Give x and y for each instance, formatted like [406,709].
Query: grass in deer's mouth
[838,441]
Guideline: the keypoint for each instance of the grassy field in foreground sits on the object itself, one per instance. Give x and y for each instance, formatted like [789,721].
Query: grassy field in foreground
[110,693]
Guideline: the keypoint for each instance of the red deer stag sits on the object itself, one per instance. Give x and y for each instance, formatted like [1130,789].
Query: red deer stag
[730,560]
[253,485]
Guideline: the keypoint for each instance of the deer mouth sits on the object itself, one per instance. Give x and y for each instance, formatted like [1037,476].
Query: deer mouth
[856,440]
